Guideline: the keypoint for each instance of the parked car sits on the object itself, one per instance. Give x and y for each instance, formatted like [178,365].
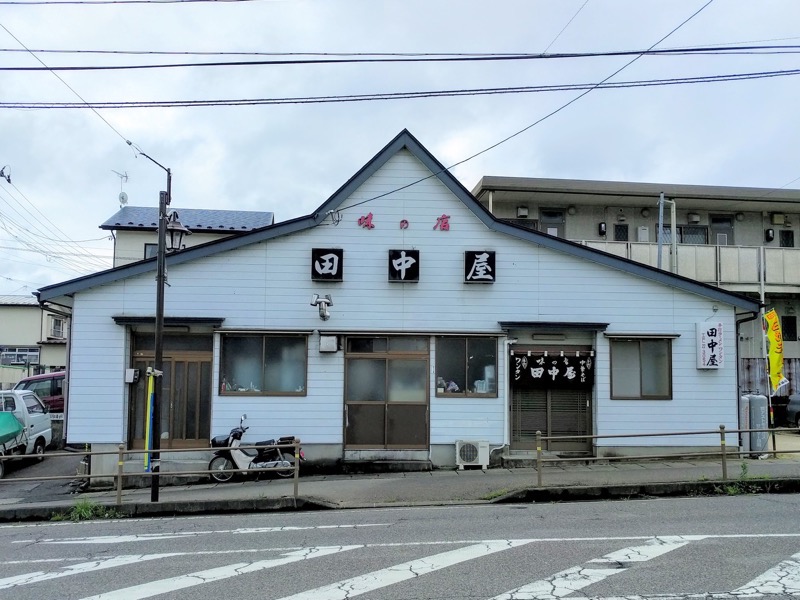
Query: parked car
[36,428]
[49,387]
[793,411]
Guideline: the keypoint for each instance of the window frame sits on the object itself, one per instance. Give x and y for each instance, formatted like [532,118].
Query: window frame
[264,337]
[466,393]
[641,396]
[150,251]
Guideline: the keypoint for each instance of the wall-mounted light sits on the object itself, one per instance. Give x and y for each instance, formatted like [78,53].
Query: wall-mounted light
[522,212]
[693,217]
[769,235]
[601,228]
[571,210]
[740,216]
[645,212]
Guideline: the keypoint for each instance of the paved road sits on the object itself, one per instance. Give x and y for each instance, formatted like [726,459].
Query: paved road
[733,546]
[13,490]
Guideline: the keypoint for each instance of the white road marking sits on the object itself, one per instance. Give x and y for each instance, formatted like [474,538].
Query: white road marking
[154,588]
[362,584]
[149,537]
[79,569]
[570,580]
[782,579]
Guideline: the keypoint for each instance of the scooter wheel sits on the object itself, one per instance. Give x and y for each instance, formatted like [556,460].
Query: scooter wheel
[287,472]
[221,469]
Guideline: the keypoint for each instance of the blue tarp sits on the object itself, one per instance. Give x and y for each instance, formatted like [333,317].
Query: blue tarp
[9,427]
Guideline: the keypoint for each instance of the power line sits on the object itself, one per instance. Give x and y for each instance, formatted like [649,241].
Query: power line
[62,81]
[605,84]
[563,29]
[540,120]
[402,58]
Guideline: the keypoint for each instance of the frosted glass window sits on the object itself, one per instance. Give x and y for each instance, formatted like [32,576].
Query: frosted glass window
[408,380]
[366,380]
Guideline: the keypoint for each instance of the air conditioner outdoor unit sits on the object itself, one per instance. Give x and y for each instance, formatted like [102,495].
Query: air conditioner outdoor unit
[472,453]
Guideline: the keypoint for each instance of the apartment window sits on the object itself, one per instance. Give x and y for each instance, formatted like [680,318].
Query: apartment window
[11,355]
[641,369]
[789,328]
[620,232]
[56,327]
[687,234]
[150,250]
[263,365]
[786,238]
[466,366]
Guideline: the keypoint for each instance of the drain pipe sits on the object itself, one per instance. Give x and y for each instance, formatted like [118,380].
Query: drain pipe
[753,316]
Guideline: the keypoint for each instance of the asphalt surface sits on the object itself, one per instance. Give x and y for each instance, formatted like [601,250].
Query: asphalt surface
[566,481]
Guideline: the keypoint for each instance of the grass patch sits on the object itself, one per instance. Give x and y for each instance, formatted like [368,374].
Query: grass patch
[86,510]
[742,485]
[495,494]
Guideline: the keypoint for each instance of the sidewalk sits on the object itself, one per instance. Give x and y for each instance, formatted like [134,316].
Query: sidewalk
[621,479]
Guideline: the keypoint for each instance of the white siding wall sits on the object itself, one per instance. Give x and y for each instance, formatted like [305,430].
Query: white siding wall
[268,286]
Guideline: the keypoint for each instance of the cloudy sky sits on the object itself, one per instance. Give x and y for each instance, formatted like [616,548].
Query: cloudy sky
[288,158]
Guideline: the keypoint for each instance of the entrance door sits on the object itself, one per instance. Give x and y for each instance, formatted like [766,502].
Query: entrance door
[554,412]
[186,395]
[386,393]
[721,230]
[551,393]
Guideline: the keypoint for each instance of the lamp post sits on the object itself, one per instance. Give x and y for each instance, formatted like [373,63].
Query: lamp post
[177,231]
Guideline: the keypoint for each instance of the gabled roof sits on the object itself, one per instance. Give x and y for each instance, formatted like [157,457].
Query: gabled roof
[145,218]
[404,140]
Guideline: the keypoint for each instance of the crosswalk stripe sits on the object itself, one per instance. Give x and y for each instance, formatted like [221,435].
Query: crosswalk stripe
[79,569]
[149,537]
[362,584]
[782,579]
[575,578]
[162,586]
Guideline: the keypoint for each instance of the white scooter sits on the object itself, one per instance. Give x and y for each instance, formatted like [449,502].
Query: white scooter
[230,459]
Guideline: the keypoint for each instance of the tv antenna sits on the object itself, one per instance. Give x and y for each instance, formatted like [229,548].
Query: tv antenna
[123,178]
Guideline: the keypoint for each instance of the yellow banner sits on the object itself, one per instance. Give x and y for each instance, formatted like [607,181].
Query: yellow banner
[775,352]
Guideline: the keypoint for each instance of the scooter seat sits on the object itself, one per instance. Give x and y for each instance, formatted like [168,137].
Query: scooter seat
[266,443]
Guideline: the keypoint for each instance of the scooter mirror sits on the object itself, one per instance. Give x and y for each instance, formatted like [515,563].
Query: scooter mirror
[244,416]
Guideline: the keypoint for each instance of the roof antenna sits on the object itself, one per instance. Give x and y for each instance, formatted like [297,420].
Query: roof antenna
[123,178]
[4,175]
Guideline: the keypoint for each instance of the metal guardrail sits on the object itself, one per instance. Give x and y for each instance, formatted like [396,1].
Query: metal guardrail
[722,454]
[120,475]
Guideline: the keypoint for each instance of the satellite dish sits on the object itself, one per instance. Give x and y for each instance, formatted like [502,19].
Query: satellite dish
[123,198]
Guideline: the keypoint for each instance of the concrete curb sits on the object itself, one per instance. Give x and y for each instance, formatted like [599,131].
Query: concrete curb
[731,487]
[140,509]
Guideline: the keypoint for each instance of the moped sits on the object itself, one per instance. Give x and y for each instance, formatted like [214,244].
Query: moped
[230,458]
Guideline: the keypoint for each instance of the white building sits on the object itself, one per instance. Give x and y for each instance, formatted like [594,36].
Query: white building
[32,340]
[446,324]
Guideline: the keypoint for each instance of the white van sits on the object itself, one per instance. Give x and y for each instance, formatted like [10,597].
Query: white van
[37,431]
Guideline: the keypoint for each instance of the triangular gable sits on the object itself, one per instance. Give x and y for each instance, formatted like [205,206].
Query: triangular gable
[404,140]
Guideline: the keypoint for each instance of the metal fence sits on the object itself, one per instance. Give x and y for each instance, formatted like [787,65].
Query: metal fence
[120,476]
[722,454]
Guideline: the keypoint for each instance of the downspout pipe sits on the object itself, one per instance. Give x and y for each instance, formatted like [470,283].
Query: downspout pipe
[753,316]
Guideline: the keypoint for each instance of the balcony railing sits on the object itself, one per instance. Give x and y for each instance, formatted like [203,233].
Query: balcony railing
[717,265]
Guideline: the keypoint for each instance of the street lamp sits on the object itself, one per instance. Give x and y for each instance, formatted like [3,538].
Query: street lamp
[166,221]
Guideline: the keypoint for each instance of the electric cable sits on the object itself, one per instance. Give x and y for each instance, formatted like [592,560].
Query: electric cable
[400,59]
[535,123]
[403,95]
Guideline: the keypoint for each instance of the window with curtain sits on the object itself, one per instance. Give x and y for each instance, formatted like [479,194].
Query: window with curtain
[641,369]
[263,365]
